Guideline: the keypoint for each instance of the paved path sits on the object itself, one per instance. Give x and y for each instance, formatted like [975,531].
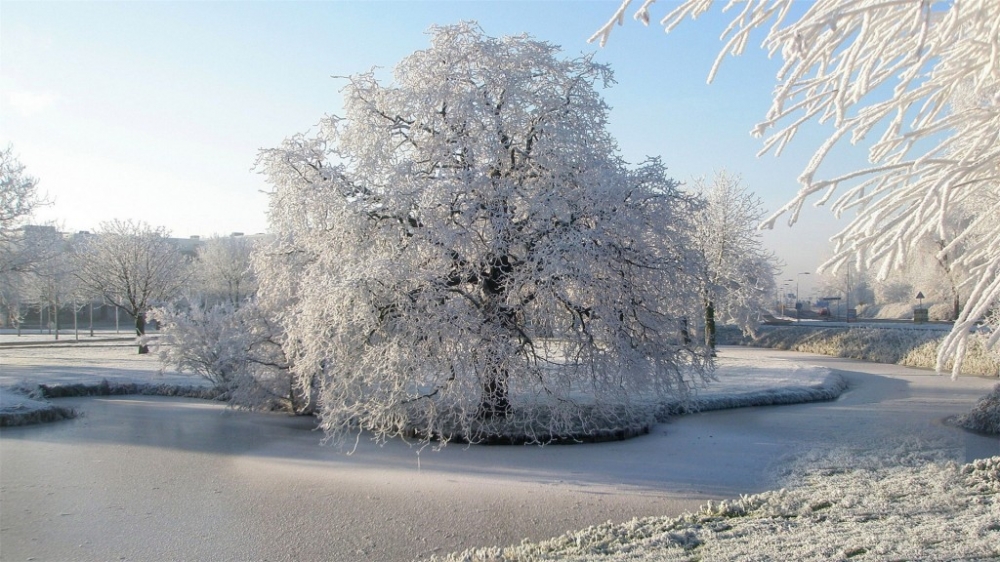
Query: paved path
[142,478]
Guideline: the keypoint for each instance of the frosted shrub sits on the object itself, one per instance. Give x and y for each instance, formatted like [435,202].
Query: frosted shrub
[206,342]
[985,416]
[239,351]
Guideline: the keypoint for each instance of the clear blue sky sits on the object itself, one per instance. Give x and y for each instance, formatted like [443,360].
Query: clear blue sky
[155,111]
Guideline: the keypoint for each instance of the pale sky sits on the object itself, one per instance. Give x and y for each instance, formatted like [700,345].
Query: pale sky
[155,111]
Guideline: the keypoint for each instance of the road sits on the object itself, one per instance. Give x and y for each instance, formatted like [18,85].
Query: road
[140,478]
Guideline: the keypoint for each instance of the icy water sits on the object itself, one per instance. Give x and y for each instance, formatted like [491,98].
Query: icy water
[140,478]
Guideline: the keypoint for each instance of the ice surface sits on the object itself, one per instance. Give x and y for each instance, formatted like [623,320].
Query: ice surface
[147,478]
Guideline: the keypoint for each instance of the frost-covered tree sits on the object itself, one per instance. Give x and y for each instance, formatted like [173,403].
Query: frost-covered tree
[51,285]
[855,287]
[924,76]
[32,255]
[19,195]
[736,273]
[469,252]
[20,249]
[133,267]
[223,271]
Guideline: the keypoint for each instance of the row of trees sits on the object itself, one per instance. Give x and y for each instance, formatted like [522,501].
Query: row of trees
[128,266]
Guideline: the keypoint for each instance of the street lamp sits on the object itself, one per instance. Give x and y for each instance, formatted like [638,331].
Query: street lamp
[798,305]
[784,295]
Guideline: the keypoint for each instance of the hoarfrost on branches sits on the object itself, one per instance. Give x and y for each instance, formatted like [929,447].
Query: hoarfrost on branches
[223,272]
[19,195]
[22,247]
[463,254]
[925,76]
[736,275]
[133,267]
[239,350]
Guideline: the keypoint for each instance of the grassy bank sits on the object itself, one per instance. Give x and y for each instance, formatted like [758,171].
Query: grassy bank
[897,346]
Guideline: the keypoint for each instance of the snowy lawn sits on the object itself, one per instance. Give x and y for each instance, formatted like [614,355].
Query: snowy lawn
[30,361]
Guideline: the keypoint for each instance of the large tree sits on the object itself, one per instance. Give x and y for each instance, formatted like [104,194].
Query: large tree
[736,273]
[470,251]
[923,72]
[133,267]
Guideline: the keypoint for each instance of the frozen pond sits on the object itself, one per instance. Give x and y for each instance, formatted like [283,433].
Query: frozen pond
[139,478]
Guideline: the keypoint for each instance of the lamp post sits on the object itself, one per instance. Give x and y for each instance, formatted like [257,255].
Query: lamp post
[784,295]
[798,305]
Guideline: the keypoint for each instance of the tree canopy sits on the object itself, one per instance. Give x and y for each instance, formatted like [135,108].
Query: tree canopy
[470,251]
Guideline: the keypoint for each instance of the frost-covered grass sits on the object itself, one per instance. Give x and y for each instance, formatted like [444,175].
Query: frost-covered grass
[935,511]
[911,348]
[985,416]
[26,404]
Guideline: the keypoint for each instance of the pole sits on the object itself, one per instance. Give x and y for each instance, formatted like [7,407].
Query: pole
[798,304]
[848,315]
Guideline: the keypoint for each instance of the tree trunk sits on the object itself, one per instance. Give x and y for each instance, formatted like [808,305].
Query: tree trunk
[495,402]
[140,331]
[956,307]
[710,326]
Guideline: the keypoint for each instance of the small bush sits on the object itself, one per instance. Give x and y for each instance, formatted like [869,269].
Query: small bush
[985,416]
[55,413]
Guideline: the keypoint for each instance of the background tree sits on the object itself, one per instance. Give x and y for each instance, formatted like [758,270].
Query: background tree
[855,288]
[736,277]
[474,254]
[133,267]
[938,147]
[32,255]
[53,287]
[22,246]
[223,272]
[19,198]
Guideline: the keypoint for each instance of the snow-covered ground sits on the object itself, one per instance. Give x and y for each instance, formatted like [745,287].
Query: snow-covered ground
[34,358]
[147,478]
